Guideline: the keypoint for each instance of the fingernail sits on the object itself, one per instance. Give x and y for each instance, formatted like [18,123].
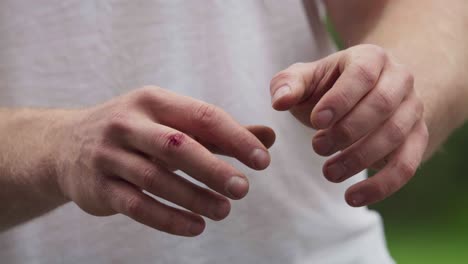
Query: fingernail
[357,199]
[282,91]
[323,145]
[196,227]
[221,209]
[259,158]
[237,187]
[324,118]
[335,172]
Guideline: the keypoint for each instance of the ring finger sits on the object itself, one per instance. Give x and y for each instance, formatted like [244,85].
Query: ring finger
[376,145]
[180,151]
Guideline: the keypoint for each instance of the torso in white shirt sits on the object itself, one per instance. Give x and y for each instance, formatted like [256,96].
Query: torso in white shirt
[58,53]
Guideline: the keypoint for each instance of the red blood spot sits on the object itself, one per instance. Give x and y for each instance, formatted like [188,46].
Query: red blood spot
[176,140]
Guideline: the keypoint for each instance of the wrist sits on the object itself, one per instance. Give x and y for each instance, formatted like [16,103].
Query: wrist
[445,109]
[57,133]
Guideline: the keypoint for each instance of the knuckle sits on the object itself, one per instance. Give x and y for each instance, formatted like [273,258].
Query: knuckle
[150,88]
[408,77]
[377,51]
[147,90]
[206,115]
[118,123]
[341,100]
[365,73]
[135,207]
[383,103]
[297,65]
[419,109]
[217,168]
[381,189]
[101,155]
[396,133]
[395,182]
[343,134]
[425,133]
[150,178]
[398,182]
[406,169]
[359,160]
[405,74]
[171,142]
[102,189]
[146,94]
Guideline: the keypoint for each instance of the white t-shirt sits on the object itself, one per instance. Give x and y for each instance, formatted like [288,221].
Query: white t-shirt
[57,53]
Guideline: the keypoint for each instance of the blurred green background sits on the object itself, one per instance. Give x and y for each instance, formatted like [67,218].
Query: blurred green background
[427,221]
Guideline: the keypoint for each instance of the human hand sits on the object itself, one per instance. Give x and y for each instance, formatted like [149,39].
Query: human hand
[110,153]
[363,103]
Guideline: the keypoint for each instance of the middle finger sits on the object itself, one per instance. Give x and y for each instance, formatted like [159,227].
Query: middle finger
[394,84]
[377,145]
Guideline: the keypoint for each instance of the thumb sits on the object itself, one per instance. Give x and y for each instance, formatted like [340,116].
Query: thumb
[299,81]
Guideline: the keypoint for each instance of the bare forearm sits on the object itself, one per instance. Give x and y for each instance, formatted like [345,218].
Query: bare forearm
[27,175]
[426,36]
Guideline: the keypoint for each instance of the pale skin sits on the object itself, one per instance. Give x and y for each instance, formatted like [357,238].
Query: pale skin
[392,106]
[368,101]
[102,158]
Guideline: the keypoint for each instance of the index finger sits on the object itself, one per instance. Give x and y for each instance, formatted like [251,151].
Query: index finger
[212,125]
[360,73]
